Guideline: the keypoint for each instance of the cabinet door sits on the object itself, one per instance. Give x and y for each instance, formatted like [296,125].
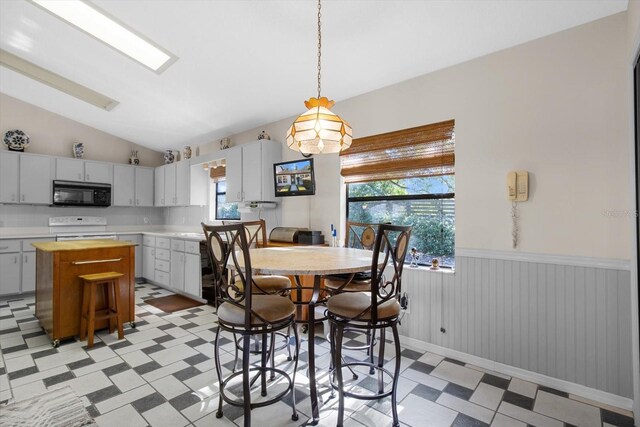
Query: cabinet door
[252,173]
[69,169]
[9,177]
[144,187]
[183,170]
[123,185]
[148,262]
[177,270]
[97,172]
[158,188]
[233,158]
[10,277]
[137,239]
[35,179]
[192,275]
[170,185]
[28,272]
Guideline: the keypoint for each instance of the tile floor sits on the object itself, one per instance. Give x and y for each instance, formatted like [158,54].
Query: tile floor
[162,374]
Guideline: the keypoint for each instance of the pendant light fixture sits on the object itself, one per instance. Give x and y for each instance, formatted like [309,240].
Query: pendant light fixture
[319,130]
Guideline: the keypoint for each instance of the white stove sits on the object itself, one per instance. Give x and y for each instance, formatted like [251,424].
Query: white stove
[80,228]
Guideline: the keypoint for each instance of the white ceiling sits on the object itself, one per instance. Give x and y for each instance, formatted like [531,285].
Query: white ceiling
[244,63]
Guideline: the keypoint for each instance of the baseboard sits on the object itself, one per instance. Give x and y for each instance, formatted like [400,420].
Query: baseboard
[512,371]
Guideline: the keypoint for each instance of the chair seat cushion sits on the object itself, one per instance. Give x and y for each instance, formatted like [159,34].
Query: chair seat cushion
[350,305]
[270,284]
[355,285]
[271,308]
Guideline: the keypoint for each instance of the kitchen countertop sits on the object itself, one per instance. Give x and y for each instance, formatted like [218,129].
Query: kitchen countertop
[76,245]
[43,232]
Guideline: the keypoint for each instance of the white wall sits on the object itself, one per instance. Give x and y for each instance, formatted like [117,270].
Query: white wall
[53,134]
[556,106]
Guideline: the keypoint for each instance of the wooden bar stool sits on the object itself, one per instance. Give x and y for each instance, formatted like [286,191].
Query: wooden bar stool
[111,291]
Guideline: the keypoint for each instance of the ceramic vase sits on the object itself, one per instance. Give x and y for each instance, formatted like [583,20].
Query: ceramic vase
[78,150]
[225,143]
[169,157]
[186,153]
[16,140]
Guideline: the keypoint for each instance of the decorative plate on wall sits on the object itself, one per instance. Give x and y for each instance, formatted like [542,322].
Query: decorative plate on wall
[16,140]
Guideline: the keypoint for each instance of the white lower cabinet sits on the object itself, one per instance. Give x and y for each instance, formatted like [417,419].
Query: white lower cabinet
[10,266]
[148,262]
[177,270]
[28,272]
[192,275]
[186,274]
[137,239]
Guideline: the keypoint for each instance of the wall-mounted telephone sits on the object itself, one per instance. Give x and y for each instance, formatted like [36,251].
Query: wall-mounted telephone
[518,186]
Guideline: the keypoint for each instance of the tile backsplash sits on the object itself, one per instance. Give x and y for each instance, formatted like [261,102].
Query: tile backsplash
[38,216]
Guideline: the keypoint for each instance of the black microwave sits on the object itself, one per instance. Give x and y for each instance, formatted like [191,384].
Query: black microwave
[72,193]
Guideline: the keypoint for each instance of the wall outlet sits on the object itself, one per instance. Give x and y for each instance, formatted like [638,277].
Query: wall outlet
[146,220]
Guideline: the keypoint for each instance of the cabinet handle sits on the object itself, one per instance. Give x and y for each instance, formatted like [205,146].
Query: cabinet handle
[15,259]
[88,179]
[137,201]
[80,176]
[96,261]
[23,197]
[130,201]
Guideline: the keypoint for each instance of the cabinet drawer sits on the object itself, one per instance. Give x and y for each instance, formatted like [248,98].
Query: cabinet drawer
[26,243]
[9,246]
[192,247]
[149,240]
[177,245]
[163,278]
[163,242]
[164,254]
[163,265]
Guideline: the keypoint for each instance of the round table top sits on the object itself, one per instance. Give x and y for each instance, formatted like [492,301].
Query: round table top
[309,260]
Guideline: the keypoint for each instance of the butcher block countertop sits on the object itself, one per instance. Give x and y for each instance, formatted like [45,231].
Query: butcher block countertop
[76,245]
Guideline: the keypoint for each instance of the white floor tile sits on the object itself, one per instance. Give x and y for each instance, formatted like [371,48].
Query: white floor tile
[170,355]
[471,409]
[503,421]
[416,411]
[488,396]
[165,416]
[458,374]
[567,410]
[124,398]
[127,380]
[522,387]
[527,416]
[169,387]
[124,416]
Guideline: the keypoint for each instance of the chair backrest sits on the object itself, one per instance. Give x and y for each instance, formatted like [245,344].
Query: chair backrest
[226,245]
[392,242]
[256,232]
[360,235]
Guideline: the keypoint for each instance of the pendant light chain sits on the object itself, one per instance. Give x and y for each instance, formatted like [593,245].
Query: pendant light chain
[319,46]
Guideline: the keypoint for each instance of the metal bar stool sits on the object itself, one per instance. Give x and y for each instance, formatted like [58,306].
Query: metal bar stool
[111,291]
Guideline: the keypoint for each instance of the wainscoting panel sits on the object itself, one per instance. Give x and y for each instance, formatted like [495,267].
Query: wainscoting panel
[565,321]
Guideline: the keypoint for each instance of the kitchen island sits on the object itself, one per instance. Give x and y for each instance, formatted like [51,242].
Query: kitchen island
[59,290]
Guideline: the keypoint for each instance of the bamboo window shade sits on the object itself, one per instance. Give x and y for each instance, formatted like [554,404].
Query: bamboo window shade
[217,173]
[422,151]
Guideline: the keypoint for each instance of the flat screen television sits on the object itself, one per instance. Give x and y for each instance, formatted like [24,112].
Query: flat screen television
[294,178]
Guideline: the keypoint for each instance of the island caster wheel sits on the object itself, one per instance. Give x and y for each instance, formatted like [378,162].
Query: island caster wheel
[55,343]
[132,324]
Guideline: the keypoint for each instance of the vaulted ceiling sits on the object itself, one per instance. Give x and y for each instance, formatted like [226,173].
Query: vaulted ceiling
[244,63]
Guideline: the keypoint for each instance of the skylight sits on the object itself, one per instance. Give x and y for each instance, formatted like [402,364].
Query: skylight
[97,23]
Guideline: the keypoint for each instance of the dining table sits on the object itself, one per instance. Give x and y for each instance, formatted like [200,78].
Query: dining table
[314,261]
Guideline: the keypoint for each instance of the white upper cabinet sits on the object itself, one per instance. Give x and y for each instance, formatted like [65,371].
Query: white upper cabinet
[97,172]
[35,179]
[170,185]
[68,169]
[233,158]
[9,167]
[183,170]
[123,185]
[249,173]
[144,186]
[158,189]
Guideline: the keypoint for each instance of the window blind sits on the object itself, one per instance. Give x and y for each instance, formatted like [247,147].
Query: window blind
[409,153]
[217,173]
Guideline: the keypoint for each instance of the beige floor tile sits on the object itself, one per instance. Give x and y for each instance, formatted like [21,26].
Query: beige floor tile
[458,374]
[522,387]
[567,410]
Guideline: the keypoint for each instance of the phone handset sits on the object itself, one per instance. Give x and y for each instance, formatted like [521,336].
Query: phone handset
[517,191]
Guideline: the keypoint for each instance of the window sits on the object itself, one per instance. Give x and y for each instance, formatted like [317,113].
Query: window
[225,210]
[406,178]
